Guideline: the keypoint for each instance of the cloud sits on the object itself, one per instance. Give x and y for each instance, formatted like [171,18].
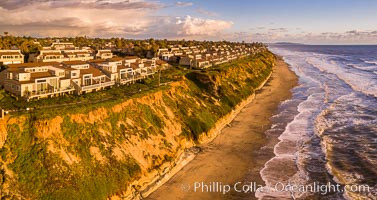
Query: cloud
[183,4]
[88,4]
[73,18]
[206,12]
[283,34]
[71,21]
[199,26]
[278,30]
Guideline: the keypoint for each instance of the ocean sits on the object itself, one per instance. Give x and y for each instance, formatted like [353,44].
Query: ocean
[327,131]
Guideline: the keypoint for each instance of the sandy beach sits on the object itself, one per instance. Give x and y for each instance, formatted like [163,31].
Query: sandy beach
[237,154]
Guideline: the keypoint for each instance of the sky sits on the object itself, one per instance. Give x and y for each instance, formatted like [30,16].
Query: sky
[300,21]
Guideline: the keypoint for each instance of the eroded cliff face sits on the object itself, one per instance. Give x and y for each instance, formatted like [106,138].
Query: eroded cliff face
[116,149]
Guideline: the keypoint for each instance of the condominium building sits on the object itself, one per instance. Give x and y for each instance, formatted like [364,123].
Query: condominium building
[49,79]
[11,57]
[104,54]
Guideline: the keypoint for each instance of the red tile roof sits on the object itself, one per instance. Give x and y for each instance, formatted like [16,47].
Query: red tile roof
[9,53]
[115,59]
[161,62]
[78,62]
[38,64]
[131,57]
[51,53]
[94,71]
[37,75]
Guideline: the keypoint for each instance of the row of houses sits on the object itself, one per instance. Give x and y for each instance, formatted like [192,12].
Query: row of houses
[57,52]
[83,54]
[60,52]
[201,58]
[49,79]
[63,68]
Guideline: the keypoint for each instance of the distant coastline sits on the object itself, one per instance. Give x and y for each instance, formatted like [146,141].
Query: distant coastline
[285,43]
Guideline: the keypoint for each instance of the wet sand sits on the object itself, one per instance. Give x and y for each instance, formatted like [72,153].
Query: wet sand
[238,153]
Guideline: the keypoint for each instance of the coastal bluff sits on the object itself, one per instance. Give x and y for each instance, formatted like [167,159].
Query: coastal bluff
[120,148]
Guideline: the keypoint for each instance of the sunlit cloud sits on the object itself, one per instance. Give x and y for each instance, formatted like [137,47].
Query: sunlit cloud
[278,30]
[183,4]
[283,34]
[199,26]
[102,18]
[88,4]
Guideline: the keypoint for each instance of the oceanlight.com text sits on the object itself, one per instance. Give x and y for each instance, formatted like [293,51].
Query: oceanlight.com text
[251,187]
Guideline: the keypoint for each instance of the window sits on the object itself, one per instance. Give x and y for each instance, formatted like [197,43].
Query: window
[41,81]
[87,80]
[10,75]
[41,86]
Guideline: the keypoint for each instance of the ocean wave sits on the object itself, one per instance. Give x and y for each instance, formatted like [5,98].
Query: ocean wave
[290,149]
[364,68]
[341,127]
[370,61]
[334,130]
[357,79]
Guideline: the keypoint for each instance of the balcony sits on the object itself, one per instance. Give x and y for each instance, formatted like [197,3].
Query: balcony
[149,71]
[126,79]
[97,86]
[48,92]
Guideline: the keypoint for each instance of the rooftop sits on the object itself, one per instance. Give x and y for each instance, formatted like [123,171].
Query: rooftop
[9,53]
[78,62]
[94,71]
[38,64]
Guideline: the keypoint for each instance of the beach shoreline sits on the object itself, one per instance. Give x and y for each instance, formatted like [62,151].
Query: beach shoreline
[226,156]
[188,155]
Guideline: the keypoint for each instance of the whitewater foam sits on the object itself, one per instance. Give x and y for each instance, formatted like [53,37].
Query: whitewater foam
[334,128]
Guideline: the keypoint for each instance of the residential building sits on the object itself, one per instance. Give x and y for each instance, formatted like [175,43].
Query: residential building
[104,54]
[50,56]
[165,54]
[36,80]
[162,64]
[85,77]
[200,63]
[11,57]
[186,60]
[143,68]
[63,46]
[110,67]
[78,54]
[73,70]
